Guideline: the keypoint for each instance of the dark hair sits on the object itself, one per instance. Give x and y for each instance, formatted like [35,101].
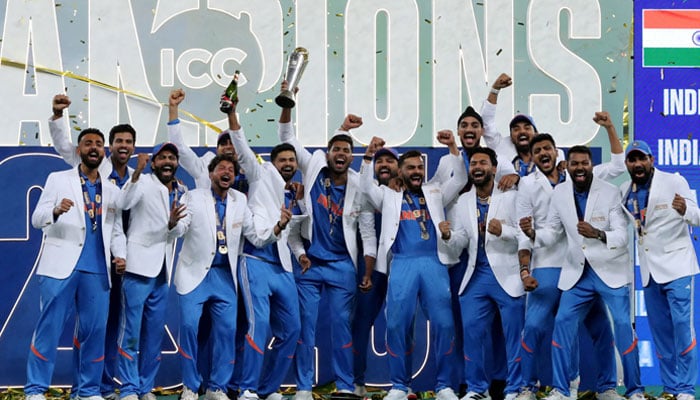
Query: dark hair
[280,148]
[541,137]
[409,154]
[342,137]
[488,152]
[223,157]
[470,112]
[89,131]
[119,129]
[581,150]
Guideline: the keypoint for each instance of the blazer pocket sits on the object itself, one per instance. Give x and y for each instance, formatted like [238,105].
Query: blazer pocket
[675,247]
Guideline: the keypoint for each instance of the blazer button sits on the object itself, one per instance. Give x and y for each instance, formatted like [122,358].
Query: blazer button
[83,228]
[80,245]
[583,247]
[212,253]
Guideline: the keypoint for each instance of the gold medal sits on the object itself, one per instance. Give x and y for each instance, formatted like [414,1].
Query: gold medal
[220,235]
[223,249]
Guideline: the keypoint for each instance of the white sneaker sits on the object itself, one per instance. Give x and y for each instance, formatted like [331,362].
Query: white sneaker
[217,395]
[187,394]
[147,396]
[38,396]
[610,394]
[525,394]
[303,395]
[685,396]
[510,396]
[248,395]
[476,396]
[360,390]
[555,395]
[446,394]
[110,396]
[274,396]
[573,387]
[640,396]
[132,396]
[396,394]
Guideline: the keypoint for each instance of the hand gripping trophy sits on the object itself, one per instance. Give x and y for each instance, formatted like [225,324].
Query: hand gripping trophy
[297,63]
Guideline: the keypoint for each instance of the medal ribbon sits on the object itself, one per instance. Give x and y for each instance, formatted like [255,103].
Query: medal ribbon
[640,214]
[482,218]
[522,168]
[332,218]
[220,226]
[92,208]
[420,212]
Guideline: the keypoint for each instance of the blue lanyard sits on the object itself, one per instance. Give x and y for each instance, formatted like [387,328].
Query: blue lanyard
[93,208]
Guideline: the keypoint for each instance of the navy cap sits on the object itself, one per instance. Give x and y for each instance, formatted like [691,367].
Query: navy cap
[165,146]
[638,145]
[386,151]
[522,118]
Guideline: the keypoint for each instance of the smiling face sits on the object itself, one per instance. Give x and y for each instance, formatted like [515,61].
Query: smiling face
[122,147]
[386,167]
[469,131]
[520,134]
[225,148]
[639,165]
[580,167]
[412,173]
[164,165]
[339,157]
[286,164]
[222,176]
[544,155]
[91,149]
[481,170]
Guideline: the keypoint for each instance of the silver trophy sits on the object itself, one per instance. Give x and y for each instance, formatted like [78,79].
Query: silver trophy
[297,63]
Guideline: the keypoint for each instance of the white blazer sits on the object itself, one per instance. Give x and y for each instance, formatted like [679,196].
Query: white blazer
[502,251]
[148,241]
[389,202]
[64,238]
[533,200]
[198,228]
[265,195]
[611,260]
[666,251]
[67,150]
[354,211]
[196,166]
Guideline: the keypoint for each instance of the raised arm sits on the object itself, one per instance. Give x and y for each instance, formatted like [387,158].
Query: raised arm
[58,129]
[454,184]
[373,193]
[188,158]
[492,136]
[616,166]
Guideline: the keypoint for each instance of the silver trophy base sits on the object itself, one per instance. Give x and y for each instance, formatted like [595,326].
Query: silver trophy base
[285,99]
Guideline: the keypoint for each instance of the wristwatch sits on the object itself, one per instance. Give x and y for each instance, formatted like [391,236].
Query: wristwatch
[601,235]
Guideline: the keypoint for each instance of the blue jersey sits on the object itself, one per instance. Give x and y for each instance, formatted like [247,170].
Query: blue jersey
[220,260]
[416,235]
[327,200]
[482,259]
[92,257]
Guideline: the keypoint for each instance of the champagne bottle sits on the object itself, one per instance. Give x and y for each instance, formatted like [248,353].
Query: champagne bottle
[230,95]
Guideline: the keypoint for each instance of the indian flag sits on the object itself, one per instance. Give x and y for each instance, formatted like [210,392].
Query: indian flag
[671,38]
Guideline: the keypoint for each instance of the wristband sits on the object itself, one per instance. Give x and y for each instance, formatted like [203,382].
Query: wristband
[494,91]
[281,228]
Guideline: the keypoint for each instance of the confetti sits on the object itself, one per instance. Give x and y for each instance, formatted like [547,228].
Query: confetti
[498,53]
[339,14]
[427,20]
